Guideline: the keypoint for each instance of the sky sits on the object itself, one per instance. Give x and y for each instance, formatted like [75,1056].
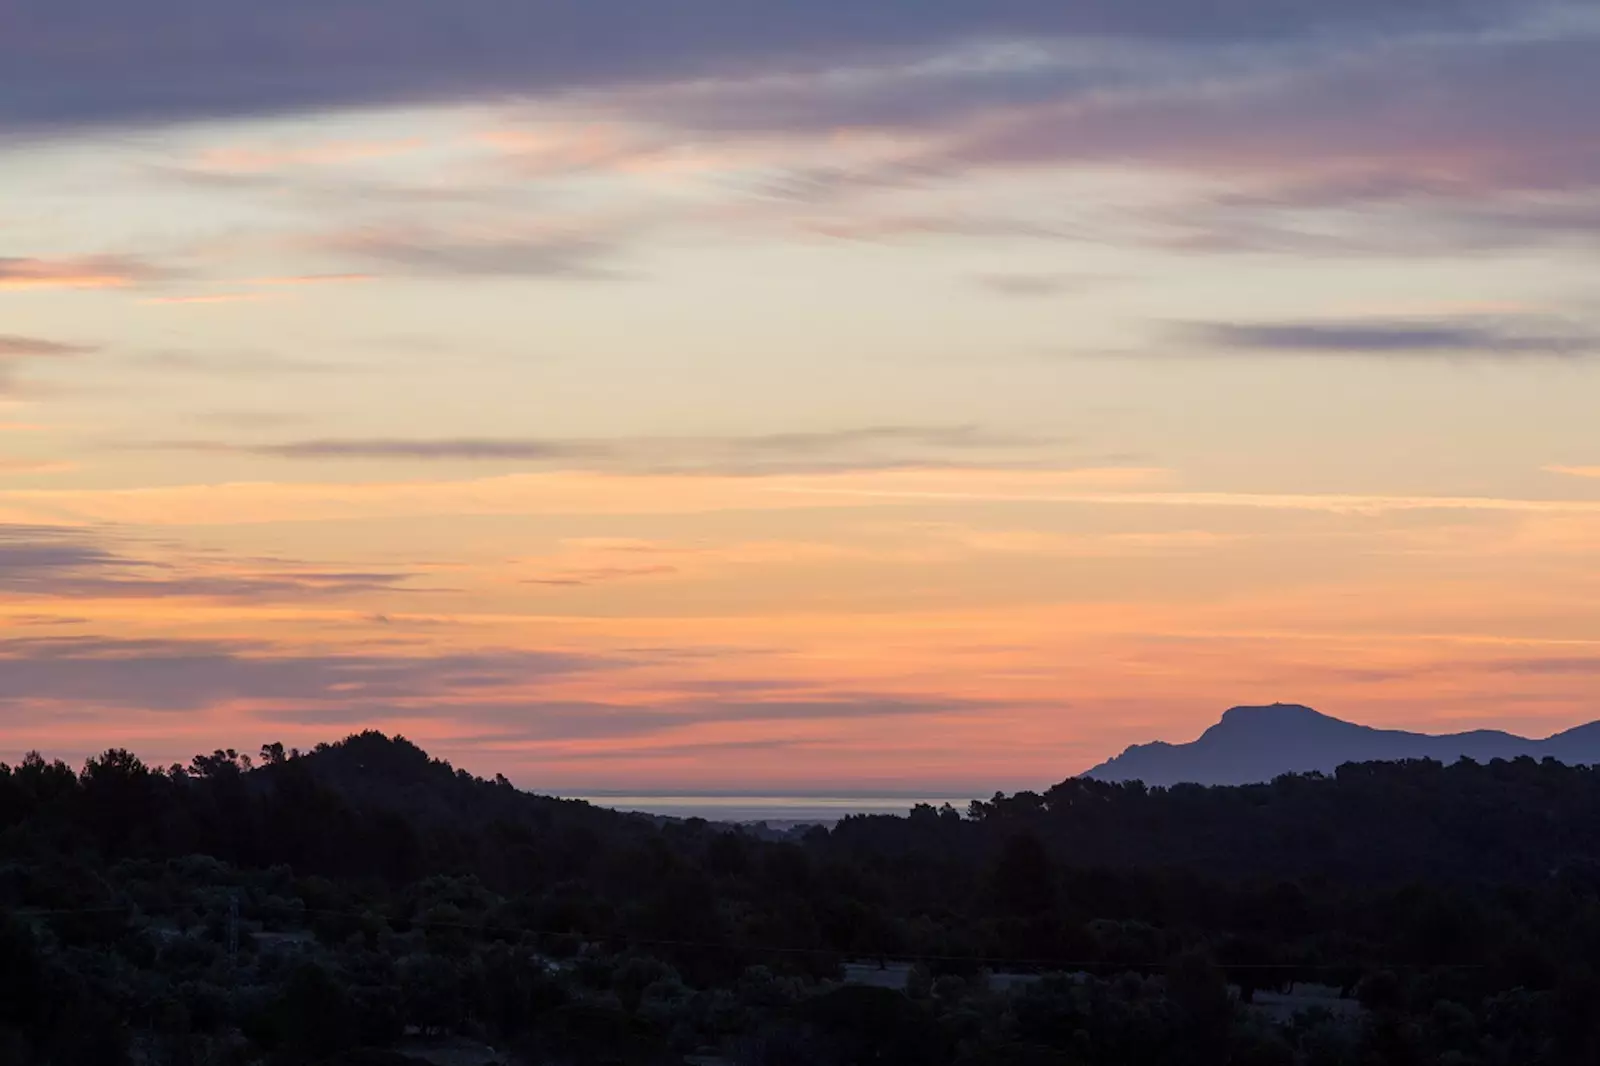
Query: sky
[796,395]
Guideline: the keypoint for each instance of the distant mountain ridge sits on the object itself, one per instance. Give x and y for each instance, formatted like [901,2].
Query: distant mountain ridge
[1253,744]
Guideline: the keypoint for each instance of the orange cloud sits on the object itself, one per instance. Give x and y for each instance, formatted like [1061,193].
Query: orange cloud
[241,159]
[83,272]
[568,147]
[1575,471]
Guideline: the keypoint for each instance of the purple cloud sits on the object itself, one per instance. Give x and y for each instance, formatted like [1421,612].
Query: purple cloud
[61,562]
[1388,337]
[182,675]
[865,447]
[98,61]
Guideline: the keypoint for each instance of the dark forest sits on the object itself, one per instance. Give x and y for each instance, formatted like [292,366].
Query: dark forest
[364,903]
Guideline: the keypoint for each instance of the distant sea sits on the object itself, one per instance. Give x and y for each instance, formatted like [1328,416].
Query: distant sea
[774,810]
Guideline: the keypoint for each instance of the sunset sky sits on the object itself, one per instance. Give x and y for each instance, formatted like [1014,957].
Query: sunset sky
[800,394]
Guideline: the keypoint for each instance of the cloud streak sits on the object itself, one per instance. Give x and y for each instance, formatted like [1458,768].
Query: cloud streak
[1030,286]
[85,272]
[55,562]
[188,675]
[12,347]
[14,350]
[1465,138]
[869,447]
[573,254]
[483,694]
[1388,338]
[580,493]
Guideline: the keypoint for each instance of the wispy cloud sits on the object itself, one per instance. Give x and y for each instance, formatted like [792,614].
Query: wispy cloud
[382,448]
[12,346]
[83,272]
[1578,665]
[1031,285]
[868,447]
[576,492]
[1279,107]
[16,350]
[1479,114]
[186,675]
[1402,337]
[70,563]
[1274,144]
[1575,471]
[1287,501]
[557,253]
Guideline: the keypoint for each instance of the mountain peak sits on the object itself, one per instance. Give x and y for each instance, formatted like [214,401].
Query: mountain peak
[1270,712]
[1259,743]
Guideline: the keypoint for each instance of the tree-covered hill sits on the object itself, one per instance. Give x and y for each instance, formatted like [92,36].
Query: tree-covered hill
[302,907]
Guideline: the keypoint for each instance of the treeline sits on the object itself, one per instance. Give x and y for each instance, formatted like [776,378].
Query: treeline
[307,907]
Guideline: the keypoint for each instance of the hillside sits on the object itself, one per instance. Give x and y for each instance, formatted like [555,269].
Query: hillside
[348,905]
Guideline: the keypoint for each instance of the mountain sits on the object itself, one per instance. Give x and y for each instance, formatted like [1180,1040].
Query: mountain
[1254,744]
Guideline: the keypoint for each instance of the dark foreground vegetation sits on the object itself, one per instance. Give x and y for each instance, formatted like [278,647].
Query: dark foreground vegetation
[351,904]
